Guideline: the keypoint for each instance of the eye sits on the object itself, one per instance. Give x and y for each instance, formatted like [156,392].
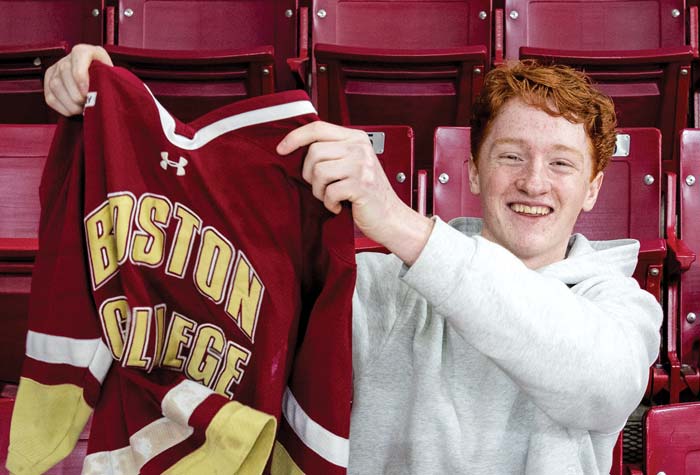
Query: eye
[511,157]
[563,163]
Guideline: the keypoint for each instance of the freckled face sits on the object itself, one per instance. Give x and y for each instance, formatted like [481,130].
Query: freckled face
[533,179]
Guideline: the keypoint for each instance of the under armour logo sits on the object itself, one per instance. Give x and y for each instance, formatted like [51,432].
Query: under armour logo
[165,163]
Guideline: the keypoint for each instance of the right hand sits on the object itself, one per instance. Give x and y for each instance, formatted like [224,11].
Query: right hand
[66,82]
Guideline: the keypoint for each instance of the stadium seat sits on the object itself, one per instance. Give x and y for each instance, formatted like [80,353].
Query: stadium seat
[635,53]
[685,285]
[25,23]
[22,71]
[214,25]
[416,63]
[23,151]
[671,442]
[192,83]
[393,145]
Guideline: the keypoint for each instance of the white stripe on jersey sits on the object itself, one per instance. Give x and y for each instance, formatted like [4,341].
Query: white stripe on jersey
[208,133]
[325,443]
[183,399]
[92,354]
[115,462]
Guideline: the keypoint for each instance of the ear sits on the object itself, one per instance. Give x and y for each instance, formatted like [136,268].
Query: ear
[473,177]
[592,193]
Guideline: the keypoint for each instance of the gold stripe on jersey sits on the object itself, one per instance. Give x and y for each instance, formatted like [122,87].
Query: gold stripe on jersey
[238,440]
[282,462]
[38,407]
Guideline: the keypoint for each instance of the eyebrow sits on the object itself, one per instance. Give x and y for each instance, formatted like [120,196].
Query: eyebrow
[523,143]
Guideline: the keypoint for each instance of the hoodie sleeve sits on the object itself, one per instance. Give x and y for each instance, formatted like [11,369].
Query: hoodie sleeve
[581,353]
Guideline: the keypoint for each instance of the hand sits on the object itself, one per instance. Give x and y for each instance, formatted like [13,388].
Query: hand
[66,82]
[341,166]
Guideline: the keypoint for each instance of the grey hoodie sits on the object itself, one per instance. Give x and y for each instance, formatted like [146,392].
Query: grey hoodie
[468,362]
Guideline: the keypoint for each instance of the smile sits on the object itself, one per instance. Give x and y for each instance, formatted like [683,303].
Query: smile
[530,210]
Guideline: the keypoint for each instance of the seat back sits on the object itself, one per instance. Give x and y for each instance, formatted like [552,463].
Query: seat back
[597,25]
[35,22]
[23,151]
[185,25]
[650,88]
[689,228]
[671,442]
[393,146]
[192,83]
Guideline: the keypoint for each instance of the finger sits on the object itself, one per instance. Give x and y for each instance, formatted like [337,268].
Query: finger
[320,152]
[329,172]
[335,194]
[81,58]
[318,131]
[57,97]
[68,84]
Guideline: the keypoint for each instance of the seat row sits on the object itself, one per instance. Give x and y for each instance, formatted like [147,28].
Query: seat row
[416,63]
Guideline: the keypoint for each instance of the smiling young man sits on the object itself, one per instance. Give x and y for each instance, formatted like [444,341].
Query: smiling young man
[496,346]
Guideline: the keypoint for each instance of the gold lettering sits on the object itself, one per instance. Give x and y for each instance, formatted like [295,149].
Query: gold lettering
[113,316]
[236,356]
[153,216]
[179,336]
[140,323]
[101,246]
[245,297]
[188,225]
[202,364]
[213,264]
[122,209]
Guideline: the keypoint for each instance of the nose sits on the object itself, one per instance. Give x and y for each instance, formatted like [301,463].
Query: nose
[533,179]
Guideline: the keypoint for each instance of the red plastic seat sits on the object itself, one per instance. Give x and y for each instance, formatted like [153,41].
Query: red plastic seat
[635,52]
[393,145]
[671,442]
[23,151]
[416,63]
[212,25]
[192,83]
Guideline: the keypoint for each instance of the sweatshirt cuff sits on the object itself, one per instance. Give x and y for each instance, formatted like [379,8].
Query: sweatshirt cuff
[440,266]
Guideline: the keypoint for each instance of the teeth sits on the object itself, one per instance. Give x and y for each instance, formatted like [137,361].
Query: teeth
[525,209]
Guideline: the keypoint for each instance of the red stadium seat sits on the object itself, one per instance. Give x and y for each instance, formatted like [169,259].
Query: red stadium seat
[417,63]
[24,23]
[393,145]
[686,284]
[192,83]
[635,52]
[211,25]
[23,151]
[22,71]
[671,442]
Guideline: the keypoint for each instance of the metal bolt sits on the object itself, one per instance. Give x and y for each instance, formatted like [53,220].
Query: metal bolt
[321,69]
[444,178]
[661,473]
[648,180]
[288,13]
[684,72]
[690,180]
[654,271]
[400,177]
[659,366]
[691,317]
[482,15]
[321,13]
[37,62]
[95,12]
[266,71]
[675,13]
[128,12]
[514,15]
[477,70]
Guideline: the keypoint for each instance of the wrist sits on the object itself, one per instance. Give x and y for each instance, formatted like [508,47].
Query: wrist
[408,234]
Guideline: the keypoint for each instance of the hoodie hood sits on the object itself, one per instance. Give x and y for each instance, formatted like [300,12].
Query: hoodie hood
[584,259]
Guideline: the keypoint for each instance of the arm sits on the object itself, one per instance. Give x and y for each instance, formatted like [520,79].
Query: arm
[341,166]
[581,354]
[66,82]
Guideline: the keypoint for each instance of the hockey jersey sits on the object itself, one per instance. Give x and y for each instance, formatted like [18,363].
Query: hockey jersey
[190,293]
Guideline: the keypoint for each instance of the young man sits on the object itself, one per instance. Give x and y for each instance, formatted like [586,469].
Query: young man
[501,346]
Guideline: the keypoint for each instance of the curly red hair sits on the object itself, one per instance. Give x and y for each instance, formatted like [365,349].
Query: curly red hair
[558,90]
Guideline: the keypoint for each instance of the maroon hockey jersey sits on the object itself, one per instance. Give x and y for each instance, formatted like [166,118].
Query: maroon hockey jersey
[190,293]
